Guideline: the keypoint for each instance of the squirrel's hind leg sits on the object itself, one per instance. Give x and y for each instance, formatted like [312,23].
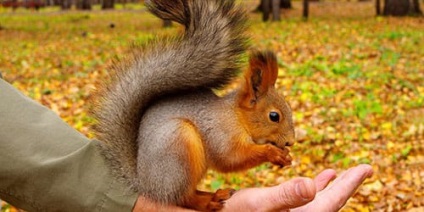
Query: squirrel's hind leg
[195,159]
[171,162]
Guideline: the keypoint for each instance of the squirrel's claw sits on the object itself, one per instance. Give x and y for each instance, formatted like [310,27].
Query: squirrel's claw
[279,156]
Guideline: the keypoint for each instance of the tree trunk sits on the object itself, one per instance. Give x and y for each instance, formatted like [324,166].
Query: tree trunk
[401,8]
[266,6]
[84,4]
[285,4]
[65,4]
[417,9]
[378,7]
[276,10]
[305,9]
[108,4]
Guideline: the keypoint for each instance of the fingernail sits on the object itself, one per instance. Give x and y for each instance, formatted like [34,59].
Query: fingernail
[302,190]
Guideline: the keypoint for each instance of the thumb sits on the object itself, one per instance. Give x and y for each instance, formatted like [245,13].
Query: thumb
[291,194]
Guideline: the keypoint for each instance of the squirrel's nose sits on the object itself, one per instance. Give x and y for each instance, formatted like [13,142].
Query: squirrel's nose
[291,139]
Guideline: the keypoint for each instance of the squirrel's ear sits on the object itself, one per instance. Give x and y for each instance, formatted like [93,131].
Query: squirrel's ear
[259,78]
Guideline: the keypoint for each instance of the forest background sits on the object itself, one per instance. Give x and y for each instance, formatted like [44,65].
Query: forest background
[355,82]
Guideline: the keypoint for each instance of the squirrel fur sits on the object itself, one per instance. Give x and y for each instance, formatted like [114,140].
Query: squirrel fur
[162,126]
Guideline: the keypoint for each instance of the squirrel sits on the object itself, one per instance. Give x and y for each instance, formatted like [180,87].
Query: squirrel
[161,123]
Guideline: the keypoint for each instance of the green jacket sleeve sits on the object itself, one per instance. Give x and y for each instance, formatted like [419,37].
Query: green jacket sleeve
[46,165]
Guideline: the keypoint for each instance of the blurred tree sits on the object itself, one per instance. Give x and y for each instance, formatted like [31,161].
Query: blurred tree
[268,6]
[84,4]
[65,4]
[108,4]
[275,6]
[305,9]
[416,6]
[401,7]
[286,4]
[378,7]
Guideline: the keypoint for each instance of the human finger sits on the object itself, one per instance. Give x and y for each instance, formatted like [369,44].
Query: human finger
[323,178]
[351,178]
[290,194]
[335,196]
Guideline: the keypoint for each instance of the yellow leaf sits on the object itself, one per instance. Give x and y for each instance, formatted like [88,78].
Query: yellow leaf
[390,145]
[305,160]
[387,126]
[374,186]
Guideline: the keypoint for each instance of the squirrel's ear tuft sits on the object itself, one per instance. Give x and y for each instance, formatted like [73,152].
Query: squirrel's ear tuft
[267,63]
[259,78]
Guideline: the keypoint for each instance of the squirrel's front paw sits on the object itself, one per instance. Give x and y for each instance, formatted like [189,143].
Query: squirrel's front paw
[278,156]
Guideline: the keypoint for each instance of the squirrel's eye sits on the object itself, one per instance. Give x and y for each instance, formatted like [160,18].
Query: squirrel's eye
[274,116]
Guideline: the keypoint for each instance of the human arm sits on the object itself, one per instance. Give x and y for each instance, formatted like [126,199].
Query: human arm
[48,165]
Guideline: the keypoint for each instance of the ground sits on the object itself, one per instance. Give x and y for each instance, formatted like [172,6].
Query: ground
[355,83]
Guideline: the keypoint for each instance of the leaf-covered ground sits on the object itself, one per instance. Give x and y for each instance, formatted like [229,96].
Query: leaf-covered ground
[355,83]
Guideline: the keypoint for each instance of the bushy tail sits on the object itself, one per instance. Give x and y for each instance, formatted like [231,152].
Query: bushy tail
[207,55]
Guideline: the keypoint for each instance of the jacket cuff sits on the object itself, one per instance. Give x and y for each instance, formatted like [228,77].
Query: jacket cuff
[118,198]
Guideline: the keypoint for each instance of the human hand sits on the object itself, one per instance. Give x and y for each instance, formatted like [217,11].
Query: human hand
[302,194]
[299,194]
[335,196]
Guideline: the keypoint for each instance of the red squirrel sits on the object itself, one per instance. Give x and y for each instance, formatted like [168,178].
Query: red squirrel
[161,124]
